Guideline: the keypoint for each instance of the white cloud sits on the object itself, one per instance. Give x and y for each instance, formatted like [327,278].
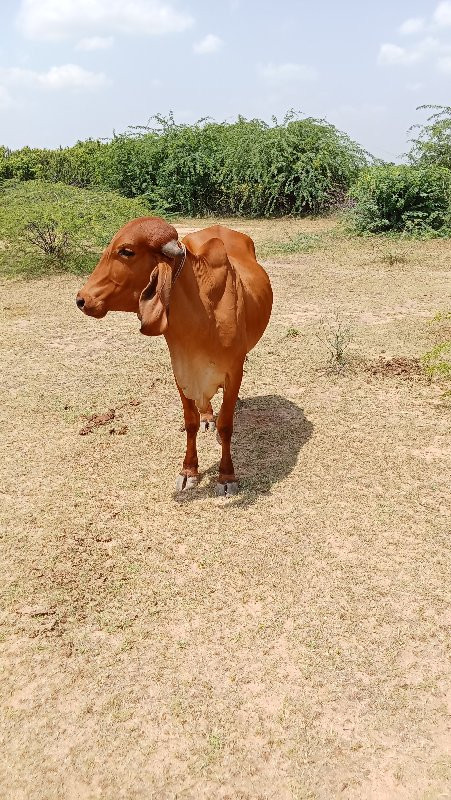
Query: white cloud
[394,54]
[411,26]
[67,76]
[95,43]
[48,20]
[442,14]
[209,44]
[277,74]
[434,48]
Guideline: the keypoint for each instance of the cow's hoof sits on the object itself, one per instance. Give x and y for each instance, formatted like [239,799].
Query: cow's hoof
[227,489]
[207,425]
[184,482]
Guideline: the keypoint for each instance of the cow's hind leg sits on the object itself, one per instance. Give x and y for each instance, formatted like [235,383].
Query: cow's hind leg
[207,420]
[227,483]
[189,476]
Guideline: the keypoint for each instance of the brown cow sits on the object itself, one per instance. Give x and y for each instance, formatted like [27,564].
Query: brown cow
[211,301]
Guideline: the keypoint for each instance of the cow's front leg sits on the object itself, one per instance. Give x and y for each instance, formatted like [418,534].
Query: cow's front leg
[189,476]
[227,483]
[207,420]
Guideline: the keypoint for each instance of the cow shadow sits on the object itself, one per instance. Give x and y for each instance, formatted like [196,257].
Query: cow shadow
[269,432]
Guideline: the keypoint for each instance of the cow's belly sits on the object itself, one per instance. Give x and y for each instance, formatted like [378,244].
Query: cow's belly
[199,378]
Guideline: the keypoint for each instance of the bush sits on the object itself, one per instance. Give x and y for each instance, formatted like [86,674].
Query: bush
[80,165]
[244,168]
[48,227]
[433,144]
[49,239]
[402,199]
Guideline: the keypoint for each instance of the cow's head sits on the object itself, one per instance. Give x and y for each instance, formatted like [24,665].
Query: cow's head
[135,273]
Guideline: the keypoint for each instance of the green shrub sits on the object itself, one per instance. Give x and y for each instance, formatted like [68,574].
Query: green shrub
[47,227]
[433,143]
[80,165]
[244,168]
[402,199]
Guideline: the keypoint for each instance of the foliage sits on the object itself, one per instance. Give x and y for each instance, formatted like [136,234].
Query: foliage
[80,165]
[433,143]
[47,237]
[437,361]
[402,199]
[336,336]
[52,227]
[242,168]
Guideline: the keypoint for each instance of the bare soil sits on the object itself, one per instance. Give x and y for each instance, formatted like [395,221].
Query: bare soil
[289,643]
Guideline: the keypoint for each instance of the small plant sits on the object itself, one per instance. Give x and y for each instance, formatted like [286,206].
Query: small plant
[391,258]
[49,239]
[336,336]
[292,333]
[437,361]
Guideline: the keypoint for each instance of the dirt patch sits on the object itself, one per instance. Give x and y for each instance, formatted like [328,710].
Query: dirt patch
[291,642]
[99,420]
[396,367]
[96,421]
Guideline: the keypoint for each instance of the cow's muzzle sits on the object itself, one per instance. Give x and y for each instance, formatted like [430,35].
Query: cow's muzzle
[91,306]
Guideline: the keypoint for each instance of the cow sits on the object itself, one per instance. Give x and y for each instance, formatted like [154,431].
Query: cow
[208,297]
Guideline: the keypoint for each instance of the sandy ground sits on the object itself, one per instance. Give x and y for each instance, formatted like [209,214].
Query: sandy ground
[289,643]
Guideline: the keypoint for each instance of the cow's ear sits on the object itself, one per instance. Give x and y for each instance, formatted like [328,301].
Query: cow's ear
[215,253]
[154,301]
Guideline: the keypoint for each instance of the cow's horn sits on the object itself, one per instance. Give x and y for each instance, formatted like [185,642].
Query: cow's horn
[172,249]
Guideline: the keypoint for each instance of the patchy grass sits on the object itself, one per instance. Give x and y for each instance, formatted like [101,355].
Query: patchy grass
[293,244]
[289,642]
[392,258]
[293,332]
[47,228]
[437,361]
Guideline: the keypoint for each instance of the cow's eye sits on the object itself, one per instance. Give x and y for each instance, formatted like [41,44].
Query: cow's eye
[125,251]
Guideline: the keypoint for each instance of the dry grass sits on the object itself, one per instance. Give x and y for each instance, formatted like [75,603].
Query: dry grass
[287,643]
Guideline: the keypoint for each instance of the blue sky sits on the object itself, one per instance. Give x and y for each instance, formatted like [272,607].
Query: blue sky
[70,69]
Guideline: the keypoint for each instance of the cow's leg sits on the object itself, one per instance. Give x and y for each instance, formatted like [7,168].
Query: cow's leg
[207,420]
[189,476]
[227,483]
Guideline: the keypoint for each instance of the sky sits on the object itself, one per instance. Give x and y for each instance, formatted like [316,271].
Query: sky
[73,69]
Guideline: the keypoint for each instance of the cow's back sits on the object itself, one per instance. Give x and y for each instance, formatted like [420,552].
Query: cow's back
[257,292]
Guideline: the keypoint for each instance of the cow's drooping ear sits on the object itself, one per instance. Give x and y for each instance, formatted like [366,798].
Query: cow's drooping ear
[154,301]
